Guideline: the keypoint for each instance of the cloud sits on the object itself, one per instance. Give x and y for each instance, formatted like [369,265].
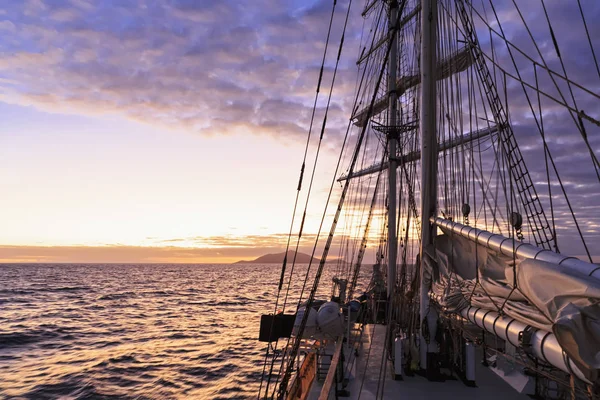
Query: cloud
[227,66]
[125,254]
[246,241]
[173,63]
[214,249]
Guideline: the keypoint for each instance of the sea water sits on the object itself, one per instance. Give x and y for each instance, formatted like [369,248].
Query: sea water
[137,331]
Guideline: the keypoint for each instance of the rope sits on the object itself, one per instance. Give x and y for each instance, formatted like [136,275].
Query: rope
[587,33]
[299,188]
[295,347]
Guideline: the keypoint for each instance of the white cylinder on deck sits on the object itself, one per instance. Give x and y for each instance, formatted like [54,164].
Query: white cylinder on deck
[311,324]
[330,320]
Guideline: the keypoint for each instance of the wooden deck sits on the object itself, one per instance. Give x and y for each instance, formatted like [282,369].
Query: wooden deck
[364,379]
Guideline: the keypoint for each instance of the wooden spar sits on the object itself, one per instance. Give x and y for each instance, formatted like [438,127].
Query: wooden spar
[458,62]
[329,380]
[385,38]
[369,7]
[416,155]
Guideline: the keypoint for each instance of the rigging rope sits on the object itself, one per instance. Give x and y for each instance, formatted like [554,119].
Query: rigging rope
[296,344]
[299,188]
[588,37]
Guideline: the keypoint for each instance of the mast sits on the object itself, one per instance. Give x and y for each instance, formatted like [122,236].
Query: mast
[392,144]
[428,156]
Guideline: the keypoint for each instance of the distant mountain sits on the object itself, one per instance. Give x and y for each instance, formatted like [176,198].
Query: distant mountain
[301,258]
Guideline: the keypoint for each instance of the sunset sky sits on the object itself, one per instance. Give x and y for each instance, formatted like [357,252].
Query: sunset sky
[157,131]
[137,126]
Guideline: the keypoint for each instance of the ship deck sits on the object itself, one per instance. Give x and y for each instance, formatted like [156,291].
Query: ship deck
[364,378]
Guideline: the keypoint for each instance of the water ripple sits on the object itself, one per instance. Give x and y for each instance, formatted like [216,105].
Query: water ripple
[133,331]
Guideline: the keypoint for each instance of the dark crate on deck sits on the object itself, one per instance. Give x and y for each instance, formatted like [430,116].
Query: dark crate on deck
[273,327]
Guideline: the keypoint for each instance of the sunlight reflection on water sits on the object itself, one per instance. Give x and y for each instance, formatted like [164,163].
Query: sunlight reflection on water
[134,331]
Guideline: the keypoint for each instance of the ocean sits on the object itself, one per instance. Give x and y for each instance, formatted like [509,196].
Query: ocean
[136,331]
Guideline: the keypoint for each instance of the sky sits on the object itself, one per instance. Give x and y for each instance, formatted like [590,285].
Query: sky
[154,131]
[167,131]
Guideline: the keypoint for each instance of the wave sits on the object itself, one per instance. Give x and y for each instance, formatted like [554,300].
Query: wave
[16,291]
[117,296]
[95,333]
[216,303]
[67,289]
[124,358]
[13,339]
[70,388]
[179,335]
[196,371]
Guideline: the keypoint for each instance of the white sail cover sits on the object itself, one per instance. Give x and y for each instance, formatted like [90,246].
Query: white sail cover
[546,296]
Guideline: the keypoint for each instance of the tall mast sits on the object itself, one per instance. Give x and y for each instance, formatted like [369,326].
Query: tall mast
[392,144]
[428,152]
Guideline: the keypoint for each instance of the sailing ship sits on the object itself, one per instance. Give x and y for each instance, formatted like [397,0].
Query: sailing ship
[478,287]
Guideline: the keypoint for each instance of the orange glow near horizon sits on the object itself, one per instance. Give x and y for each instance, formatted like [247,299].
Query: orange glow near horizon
[124,254]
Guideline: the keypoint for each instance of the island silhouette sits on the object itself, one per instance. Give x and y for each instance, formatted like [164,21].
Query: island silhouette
[301,258]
